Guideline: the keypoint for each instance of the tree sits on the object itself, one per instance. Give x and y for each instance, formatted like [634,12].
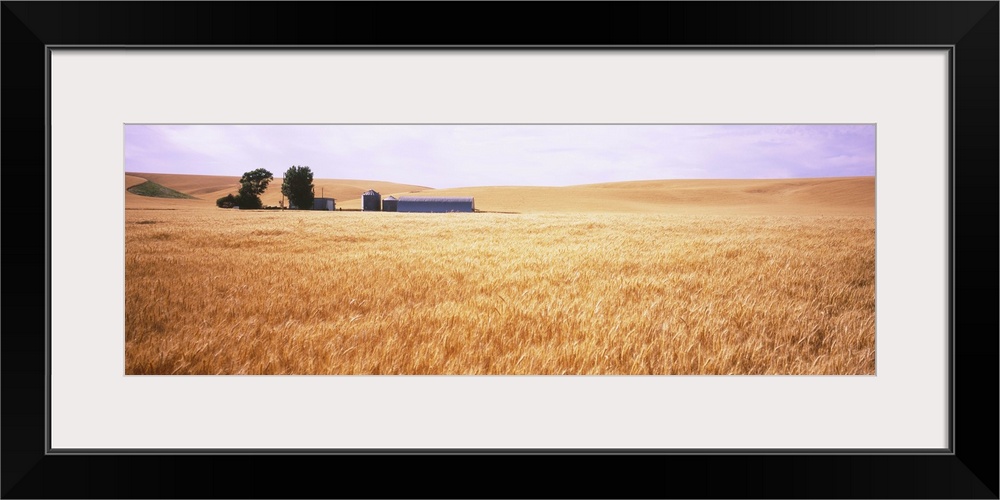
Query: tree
[227,201]
[298,187]
[252,185]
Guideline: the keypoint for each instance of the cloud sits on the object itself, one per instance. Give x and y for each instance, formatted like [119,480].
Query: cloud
[469,155]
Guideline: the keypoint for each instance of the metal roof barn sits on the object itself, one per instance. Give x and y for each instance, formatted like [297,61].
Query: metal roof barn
[389,204]
[324,204]
[371,201]
[435,204]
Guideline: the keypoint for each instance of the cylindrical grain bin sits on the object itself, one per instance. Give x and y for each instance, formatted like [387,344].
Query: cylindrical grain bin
[371,201]
[389,204]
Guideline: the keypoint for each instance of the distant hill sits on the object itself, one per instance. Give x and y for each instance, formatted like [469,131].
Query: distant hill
[152,189]
[211,187]
[815,196]
[833,196]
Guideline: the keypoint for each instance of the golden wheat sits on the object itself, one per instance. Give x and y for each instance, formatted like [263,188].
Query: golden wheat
[285,292]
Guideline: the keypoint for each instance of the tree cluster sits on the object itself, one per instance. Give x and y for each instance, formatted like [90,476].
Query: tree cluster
[297,186]
[252,185]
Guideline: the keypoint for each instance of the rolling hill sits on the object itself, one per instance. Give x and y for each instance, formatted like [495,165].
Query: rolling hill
[814,196]
[211,187]
[833,196]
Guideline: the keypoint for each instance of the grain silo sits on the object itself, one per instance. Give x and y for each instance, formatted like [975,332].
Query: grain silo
[435,204]
[389,204]
[371,201]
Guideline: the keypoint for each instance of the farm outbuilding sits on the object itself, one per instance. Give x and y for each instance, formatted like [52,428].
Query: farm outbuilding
[435,204]
[324,204]
[371,201]
[389,204]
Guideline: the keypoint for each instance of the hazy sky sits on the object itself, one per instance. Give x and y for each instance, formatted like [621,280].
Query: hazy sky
[506,155]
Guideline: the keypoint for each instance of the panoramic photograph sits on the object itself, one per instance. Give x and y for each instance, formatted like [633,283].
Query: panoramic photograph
[495,249]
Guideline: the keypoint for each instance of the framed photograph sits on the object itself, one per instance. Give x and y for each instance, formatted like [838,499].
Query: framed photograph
[724,253]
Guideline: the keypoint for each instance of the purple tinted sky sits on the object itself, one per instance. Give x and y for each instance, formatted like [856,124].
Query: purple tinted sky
[506,155]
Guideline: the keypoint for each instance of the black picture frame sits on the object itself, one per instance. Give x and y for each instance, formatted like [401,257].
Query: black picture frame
[968,470]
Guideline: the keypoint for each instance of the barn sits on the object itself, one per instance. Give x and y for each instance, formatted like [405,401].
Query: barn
[371,201]
[389,204]
[324,204]
[435,204]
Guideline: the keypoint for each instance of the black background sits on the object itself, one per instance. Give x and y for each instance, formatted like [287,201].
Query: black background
[971,472]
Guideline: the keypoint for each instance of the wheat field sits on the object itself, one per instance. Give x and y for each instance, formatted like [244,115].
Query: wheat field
[786,288]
